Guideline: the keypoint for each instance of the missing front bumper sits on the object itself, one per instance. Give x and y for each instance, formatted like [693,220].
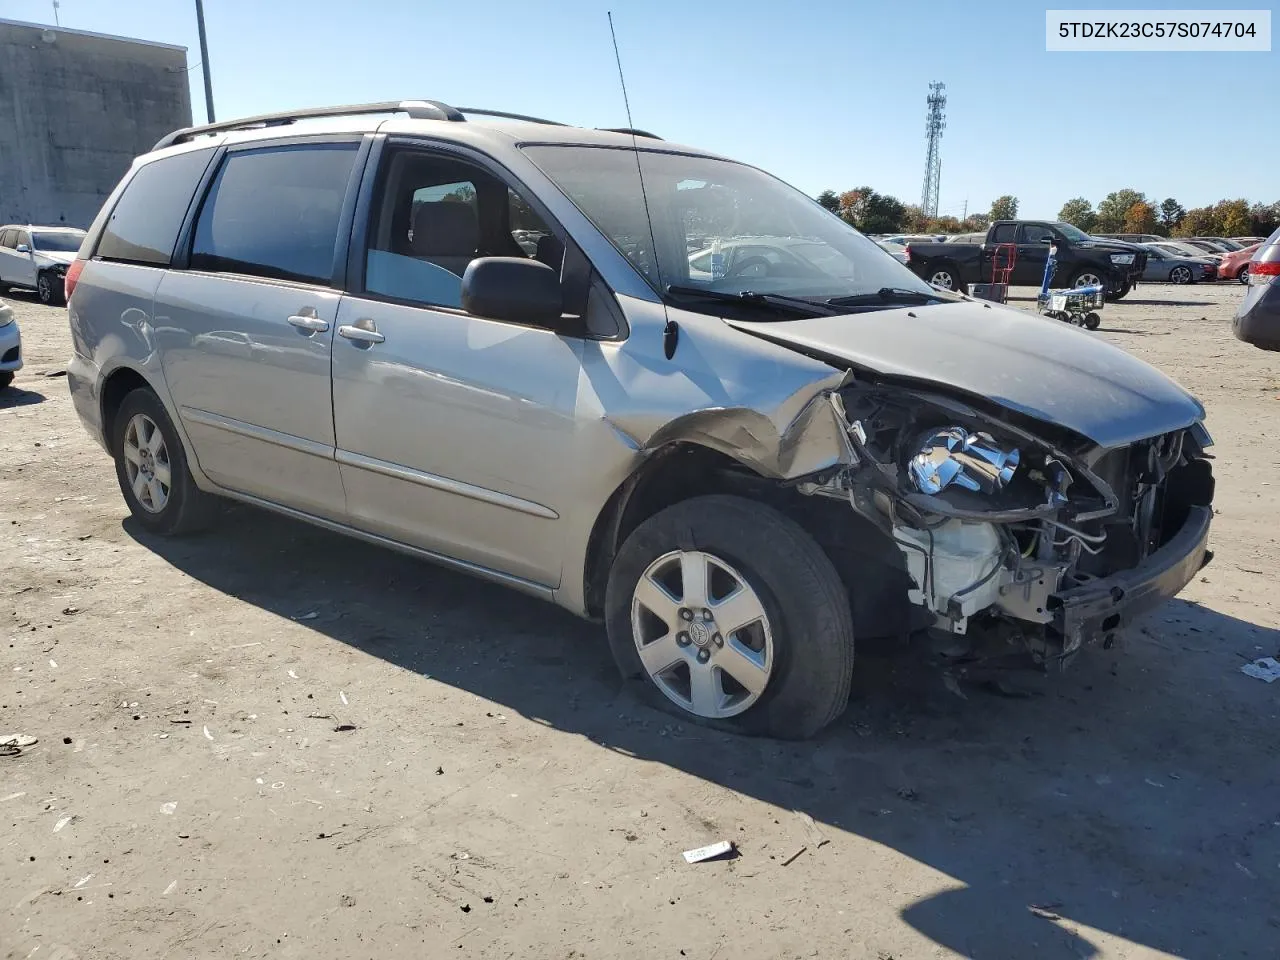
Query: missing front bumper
[1097,609]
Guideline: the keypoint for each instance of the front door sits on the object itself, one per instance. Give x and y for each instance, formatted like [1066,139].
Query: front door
[454,433]
[1033,252]
[246,333]
[19,268]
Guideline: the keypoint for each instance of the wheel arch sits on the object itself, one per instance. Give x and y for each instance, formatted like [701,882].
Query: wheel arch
[116,384]
[681,470]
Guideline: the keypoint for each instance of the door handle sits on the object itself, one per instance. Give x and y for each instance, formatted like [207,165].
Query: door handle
[313,324]
[363,331]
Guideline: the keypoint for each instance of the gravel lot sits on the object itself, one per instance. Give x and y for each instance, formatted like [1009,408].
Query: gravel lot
[502,796]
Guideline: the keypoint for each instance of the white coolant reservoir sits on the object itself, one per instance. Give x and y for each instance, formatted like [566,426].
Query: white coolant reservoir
[953,561]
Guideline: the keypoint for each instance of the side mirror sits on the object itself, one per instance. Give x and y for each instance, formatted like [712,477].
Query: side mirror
[513,289]
[22,248]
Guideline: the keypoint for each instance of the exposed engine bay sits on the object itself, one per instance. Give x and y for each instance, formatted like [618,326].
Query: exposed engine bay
[1002,523]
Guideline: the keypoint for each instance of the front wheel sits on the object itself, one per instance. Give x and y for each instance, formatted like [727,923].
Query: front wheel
[152,469]
[735,616]
[1180,275]
[6,378]
[1120,293]
[49,291]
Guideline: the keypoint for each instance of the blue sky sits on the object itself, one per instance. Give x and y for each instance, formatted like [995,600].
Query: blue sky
[824,93]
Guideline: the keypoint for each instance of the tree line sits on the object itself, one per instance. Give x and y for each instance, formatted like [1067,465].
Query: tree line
[1130,211]
[1122,211]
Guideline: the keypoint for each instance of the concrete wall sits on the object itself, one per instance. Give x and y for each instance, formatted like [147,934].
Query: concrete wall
[75,109]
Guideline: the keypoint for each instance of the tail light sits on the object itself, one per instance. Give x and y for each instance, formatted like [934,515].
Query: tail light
[73,275]
[1260,273]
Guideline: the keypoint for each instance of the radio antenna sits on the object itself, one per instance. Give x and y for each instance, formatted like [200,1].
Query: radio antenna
[670,332]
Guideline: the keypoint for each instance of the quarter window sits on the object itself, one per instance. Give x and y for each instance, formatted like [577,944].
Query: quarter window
[144,225]
[274,213]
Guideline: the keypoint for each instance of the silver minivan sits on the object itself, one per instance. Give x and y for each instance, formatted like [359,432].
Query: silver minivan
[481,339]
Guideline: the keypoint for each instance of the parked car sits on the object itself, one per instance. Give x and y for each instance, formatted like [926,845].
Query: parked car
[1165,267]
[905,238]
[10,345]
[754,258]
[896,250]
[1178,248]
[1207,246]
[1248,241]
[1257,319]
[1082,260]
[36,258]
[1130,237]
[737,476]
[1235,265]
[1227,245]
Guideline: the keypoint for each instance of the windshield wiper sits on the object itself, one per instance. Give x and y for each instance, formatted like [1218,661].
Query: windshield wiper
[779,300]
[886,295]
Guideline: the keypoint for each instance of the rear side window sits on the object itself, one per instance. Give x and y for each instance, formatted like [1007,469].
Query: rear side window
[144,225]
[274,212]
[1004,233]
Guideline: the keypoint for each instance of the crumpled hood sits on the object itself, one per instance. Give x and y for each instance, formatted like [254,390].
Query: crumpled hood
[1041,368]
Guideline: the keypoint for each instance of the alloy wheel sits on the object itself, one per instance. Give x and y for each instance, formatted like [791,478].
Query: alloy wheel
[943,279]
[146,464]
[702,633]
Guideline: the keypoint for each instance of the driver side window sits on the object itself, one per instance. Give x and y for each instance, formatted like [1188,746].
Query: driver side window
[433,215]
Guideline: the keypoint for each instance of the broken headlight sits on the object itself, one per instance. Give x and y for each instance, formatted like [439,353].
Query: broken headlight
[955,456]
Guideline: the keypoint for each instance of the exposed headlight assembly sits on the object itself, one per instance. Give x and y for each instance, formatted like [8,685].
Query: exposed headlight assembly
[1119,258]
[954,455]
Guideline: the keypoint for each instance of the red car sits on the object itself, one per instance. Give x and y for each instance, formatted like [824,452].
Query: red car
[1235,265]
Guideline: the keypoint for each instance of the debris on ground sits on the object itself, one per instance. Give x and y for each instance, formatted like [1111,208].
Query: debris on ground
[1045,911]
[709,852]
[791,859]
[1267,668]
[12,744]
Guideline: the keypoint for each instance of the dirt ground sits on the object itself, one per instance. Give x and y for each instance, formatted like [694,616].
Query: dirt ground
[501,795]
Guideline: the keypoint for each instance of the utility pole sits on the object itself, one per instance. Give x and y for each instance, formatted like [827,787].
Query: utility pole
[204,63]
[965,216]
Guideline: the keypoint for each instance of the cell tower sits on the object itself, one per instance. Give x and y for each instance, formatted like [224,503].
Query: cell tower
[935,123]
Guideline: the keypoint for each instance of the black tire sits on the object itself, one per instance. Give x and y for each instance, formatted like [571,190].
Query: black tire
[802,595]
[49,290]
[6,378]
[186,509]
[1120,294]
[1092,321]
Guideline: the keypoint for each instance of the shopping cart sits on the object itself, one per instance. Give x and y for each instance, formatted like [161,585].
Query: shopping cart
[1076,305]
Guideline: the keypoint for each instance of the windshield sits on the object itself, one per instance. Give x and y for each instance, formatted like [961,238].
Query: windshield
[1074,234]
[56,242]
[719,226]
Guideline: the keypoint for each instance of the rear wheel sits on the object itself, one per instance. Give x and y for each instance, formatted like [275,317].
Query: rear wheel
[1243,275]
[6,378]
[1092,321]
[946,275]
[152,469]
[735,616]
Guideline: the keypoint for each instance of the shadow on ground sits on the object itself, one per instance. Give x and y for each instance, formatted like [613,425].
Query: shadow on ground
[1136,794]
[18,397]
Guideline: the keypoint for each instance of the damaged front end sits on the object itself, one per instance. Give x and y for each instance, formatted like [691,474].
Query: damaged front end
[1047,540]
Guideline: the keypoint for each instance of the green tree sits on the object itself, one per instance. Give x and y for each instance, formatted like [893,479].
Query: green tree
[1234,217]
[1171,214]
[1114,206]
[974,222]
[1200,222]
[1004,208]
[1078,212]
[884,214]
[1265,217]
[828,199]
[1140,218]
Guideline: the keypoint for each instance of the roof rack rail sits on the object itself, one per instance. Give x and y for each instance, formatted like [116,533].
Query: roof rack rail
[417,109]
[509,116]
[629,131]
